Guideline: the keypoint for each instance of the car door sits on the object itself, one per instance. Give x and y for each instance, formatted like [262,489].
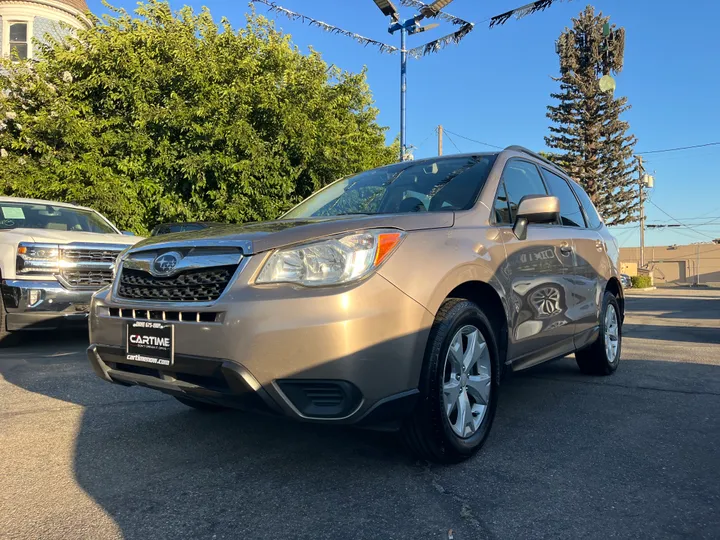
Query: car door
[590,258]
[536,272]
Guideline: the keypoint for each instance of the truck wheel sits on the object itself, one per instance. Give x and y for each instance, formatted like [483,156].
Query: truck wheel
[603,356]
[6,337]
[458,386]
[201,405]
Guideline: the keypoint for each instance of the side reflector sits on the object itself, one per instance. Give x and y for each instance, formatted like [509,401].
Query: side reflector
[386,244]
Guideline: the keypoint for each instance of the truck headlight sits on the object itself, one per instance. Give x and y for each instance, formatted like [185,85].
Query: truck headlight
[334,261]
[37,258]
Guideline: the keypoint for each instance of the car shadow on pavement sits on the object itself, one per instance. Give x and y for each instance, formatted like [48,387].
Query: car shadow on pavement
[639,443]
[689,334]
[668,307]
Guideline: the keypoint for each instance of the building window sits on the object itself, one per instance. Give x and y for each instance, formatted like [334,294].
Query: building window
[19,40]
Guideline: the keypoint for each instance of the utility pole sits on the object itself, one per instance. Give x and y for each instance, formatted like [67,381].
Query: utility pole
[440,137]
[403,90]
[697,265]
[642,211]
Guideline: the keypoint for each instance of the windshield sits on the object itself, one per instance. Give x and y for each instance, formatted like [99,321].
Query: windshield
[426,186]
[45,216]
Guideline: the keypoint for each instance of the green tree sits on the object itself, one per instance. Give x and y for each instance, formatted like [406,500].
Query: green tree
[169,116]
[594,145]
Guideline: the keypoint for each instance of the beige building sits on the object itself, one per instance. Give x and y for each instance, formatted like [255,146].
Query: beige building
[678,264]
[23,20]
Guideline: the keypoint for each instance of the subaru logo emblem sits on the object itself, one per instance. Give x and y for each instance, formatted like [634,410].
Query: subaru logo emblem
[165,264]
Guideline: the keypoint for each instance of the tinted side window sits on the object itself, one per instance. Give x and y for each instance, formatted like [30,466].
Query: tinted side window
[520,178]
[570,212]
[591,213]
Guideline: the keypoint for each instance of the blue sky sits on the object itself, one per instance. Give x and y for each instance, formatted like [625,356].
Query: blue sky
[494,86]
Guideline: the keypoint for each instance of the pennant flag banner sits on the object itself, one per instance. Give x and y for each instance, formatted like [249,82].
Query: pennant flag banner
[457,21]
[441,43]
[523,11]
[418,52]
[382,47]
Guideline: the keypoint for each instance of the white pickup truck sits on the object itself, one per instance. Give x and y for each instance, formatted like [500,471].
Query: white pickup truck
[53,257]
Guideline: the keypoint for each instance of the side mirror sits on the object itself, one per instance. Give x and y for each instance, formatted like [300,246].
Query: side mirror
[535,209]
[128,233]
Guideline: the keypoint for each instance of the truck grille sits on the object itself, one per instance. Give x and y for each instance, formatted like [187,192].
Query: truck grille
[204,285]
[87,266]
[89,255]
[87,279]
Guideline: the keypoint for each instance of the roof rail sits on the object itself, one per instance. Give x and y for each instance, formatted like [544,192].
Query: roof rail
[524,150]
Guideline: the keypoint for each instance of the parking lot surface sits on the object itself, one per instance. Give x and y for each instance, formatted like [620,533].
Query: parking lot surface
[633,455]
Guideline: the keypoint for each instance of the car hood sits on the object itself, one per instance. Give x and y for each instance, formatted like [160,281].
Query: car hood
[51,236]
[266,235]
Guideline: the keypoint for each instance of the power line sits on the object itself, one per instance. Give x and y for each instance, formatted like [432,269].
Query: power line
[425,140]
[678,148]
[713,218]
[453,142]
[472,140]
[681,223]
[625,235]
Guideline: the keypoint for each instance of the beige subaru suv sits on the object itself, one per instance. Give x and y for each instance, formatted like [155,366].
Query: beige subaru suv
[394,298]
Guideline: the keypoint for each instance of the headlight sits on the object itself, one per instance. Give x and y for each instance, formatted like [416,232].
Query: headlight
[37,258]
[334,261]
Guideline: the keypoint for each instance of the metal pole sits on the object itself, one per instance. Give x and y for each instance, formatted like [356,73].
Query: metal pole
[642,212]
[403,88]
[440,141]
[697,265]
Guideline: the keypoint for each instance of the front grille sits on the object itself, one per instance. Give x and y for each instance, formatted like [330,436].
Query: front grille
[87,267]
[86,279]
[204,285]
[89,255]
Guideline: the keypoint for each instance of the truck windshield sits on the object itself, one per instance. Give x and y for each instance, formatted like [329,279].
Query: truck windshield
[44,216]
[439,185]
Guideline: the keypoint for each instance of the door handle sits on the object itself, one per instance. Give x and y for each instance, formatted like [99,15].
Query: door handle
[565,248]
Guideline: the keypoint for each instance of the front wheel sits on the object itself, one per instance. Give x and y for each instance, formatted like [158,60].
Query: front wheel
[459,386]
[603,356]
[6,338]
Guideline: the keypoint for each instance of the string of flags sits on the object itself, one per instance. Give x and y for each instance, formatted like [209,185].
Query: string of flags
[417,52]
[440,43]
[427,48]
[293,16]
[457,21]
[523,11]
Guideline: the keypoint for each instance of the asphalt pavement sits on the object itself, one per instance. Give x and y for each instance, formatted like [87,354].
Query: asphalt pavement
[633,455]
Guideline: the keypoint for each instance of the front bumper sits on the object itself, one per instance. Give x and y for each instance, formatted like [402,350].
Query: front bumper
[346,355]
[55,306]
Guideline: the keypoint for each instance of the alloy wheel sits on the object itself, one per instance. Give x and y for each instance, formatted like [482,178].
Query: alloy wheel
[612,334]
[466,381]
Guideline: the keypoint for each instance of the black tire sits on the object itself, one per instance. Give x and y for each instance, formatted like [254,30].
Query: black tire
[201,405]
[594,360]
[427,432]
[6,338]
